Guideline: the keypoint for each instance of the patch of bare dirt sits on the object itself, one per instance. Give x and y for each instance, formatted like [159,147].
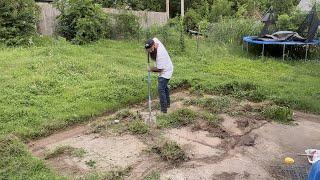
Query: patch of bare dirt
[197,144]
[243,146]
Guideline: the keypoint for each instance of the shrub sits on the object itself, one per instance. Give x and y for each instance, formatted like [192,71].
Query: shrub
[232,30]
[18,20]
[126,26]
[277,113]
[191,20]
[284,22]
[219,9]
[291,21]
[81,21]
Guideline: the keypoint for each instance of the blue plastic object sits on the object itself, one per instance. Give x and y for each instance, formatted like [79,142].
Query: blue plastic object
[315,171]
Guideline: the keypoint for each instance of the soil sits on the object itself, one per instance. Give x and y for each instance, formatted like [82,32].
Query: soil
[244,146]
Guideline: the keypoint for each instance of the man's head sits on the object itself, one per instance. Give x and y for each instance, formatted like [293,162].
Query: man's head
[150,45]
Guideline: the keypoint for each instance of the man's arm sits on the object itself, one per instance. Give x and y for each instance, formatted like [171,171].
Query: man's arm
[155,69]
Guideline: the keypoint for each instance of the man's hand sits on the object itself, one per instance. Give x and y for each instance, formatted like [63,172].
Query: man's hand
[154,69]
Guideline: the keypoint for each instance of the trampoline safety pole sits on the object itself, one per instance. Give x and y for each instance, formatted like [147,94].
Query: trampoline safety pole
[307,48]
[283,52]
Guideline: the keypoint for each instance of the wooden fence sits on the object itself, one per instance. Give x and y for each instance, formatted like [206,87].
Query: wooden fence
[49,14]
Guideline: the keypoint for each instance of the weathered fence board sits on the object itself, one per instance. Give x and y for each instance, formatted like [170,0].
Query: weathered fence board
[48,17]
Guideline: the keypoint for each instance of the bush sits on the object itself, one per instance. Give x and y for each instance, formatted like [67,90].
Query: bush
[232,30]
[81,21]
[284,22]
[18,20]
[191,20]
[126,26]
[219,9]
[291,21]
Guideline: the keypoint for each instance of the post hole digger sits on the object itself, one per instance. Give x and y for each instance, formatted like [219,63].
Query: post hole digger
[149,90]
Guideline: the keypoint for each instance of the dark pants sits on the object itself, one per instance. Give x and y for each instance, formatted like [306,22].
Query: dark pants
[164,94]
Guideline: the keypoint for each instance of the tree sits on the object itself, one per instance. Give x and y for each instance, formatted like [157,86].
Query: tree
[18,20]
[81,21]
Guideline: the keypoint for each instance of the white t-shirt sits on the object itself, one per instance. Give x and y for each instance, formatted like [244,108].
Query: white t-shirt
[163,60]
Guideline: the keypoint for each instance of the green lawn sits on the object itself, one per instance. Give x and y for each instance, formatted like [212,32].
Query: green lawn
[48,87]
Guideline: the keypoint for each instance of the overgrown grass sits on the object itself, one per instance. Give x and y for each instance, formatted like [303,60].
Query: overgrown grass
[243,90]
[279,114]
[17,163]
[53,85]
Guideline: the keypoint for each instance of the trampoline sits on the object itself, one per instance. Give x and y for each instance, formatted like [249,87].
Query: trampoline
[253,40]
[303,38]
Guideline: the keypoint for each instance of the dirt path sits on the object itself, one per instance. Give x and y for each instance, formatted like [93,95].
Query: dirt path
[250,147]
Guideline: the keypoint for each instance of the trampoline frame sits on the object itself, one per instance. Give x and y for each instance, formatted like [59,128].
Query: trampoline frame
[248,40]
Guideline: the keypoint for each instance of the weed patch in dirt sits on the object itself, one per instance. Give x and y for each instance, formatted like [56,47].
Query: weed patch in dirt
[117,174]
[213,104]
[120,123]
[126,114]
[179,118]
[279,114]
[138,127]
[154,175]
[66,150]
[211,118]
[170,151]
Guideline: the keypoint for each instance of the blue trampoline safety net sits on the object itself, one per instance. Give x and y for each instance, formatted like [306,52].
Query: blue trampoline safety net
[253,40]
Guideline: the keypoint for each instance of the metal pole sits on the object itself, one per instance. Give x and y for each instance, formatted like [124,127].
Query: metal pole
[149,90]
[168,8]
[284,51]
[247,47]
[262,50]
[306,57]
[182,8]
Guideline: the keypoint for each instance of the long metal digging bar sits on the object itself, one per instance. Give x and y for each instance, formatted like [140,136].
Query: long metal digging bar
[149,90]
